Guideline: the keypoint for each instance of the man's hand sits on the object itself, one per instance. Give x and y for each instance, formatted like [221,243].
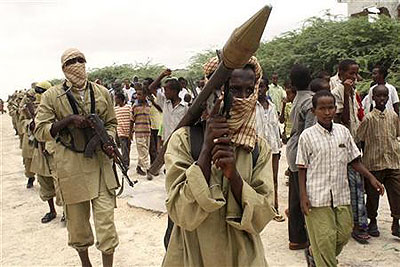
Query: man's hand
[109,150]
[377,185]
[348,87]
[166,73]
[305,205]
[223,157]
[216,127]
[79,121]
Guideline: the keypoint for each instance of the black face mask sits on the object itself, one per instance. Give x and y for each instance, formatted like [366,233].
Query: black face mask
[39,90]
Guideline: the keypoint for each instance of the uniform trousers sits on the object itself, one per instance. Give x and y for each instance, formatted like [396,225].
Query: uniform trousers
[80,235]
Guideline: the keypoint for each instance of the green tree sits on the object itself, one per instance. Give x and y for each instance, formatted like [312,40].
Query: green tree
[322,42]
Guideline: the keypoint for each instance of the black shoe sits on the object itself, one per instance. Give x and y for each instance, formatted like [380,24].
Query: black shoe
[140,171]
[30,182]
[373,229]
[49,217]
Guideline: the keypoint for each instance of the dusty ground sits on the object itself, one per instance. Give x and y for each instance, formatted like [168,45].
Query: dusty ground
[25,241]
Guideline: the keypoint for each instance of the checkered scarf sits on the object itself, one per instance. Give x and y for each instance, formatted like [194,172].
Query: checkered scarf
[242,123]
[75,73]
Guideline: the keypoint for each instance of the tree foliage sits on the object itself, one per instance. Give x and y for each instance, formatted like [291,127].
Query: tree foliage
[126,71]
[322,42]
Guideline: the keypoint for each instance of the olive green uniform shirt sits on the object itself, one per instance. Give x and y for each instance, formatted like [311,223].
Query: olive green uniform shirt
[78,176]
[211,228]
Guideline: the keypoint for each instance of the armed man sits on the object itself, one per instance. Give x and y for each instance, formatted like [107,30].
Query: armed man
[43,163]
[219,178]
[86,183]
[25,120]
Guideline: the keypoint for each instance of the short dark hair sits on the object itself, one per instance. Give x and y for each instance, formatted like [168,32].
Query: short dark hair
[174,83]
[181,79]
[377,86]
[149,80]
[300,77]
[320,94]
[317,83]
[345,64]
[120,95]
[382,70]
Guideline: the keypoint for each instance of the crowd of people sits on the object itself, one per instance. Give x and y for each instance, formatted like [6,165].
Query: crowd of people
[221,173]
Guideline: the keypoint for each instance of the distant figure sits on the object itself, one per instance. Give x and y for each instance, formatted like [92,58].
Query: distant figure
[379,74]
[276,93]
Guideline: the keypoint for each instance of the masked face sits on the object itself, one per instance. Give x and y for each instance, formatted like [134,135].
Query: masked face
[73,65]
[75,72]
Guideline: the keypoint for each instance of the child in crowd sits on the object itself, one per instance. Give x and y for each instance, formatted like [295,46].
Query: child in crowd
[124,131]
[319,84]
[380,131]
[286,109]
[285,118]
[142,128]
[347,114]
[324,150]
[267,125]
[302,118]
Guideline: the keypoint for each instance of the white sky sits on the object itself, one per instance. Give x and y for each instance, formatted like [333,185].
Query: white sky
[34,34]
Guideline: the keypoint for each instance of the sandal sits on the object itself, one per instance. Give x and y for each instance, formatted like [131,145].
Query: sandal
[298,246]
[49,217]
[360,236]
[279,218]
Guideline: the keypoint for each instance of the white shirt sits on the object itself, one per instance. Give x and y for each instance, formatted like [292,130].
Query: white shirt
[326,155]
[393,98]
[267,125]
[183,92]
[171,115]
[131,93]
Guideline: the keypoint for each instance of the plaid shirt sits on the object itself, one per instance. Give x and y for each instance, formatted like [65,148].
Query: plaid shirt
[380,130]
[326,155]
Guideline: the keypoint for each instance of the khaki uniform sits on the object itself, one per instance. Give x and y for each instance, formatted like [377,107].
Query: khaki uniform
[27,136]
[41,165]
[82,181]
[210,228]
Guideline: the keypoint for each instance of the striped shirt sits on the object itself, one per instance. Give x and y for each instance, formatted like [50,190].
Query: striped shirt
[326,155]
[123,115]
[141,119]
[380,132]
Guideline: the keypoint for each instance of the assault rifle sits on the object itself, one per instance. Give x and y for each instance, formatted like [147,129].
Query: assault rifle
[101,138]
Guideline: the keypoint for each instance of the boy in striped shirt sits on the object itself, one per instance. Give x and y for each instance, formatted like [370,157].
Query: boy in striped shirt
[323,153]
[124,132]
[380,131]
[142,128]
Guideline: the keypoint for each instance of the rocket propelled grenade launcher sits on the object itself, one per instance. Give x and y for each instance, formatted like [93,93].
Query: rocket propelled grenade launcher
[237,51]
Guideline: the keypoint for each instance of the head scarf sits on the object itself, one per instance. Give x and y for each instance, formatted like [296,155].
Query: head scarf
[242,123]
[75,73]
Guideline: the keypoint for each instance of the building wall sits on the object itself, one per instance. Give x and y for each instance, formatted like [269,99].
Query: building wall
[355,6]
